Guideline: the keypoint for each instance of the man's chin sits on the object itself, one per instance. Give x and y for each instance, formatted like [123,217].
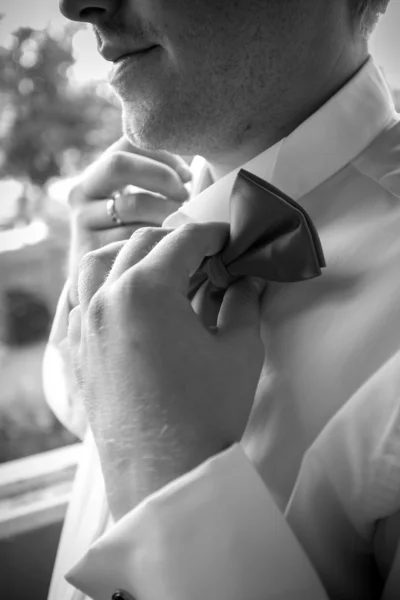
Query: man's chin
[141,133]
[155,130]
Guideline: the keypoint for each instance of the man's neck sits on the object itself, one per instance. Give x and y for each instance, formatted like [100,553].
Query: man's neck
[300,103]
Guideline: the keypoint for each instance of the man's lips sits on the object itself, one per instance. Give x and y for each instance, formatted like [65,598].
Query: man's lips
[126,68]
[114,54]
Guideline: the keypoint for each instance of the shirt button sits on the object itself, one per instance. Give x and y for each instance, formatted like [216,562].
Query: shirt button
[121,595]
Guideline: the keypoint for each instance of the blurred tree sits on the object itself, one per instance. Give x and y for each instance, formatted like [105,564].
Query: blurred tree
[48,127]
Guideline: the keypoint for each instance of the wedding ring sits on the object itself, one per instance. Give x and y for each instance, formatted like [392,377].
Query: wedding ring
[112,210]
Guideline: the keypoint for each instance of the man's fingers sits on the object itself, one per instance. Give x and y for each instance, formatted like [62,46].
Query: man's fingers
[74,327]
[148,209]
[172,256]
[178,255]
[94,269]
[137,248]
[206,304]
[114,171]
[174,161]
[240,308]
[75,339]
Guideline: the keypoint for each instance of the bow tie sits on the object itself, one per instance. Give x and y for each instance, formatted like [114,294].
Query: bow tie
[271,237]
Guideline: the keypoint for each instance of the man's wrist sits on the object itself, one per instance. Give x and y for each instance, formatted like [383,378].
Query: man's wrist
[131,477]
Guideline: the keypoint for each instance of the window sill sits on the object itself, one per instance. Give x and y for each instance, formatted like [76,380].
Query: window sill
[35,491]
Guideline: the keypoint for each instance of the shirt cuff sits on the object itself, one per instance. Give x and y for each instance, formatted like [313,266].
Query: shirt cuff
[215,533]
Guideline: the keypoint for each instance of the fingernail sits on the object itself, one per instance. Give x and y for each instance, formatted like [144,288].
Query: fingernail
[184,173]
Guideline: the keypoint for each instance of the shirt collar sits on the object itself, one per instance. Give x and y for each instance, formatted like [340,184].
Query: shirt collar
[322,145]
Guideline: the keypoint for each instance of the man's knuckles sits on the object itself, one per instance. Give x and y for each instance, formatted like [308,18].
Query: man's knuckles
[115,307]
[124,275]
[146,238]
[133,289]
[118,164]
[94,268]
[123,166]
[99,260]
[114,166]
[76,196]
[136,249]
[96,314]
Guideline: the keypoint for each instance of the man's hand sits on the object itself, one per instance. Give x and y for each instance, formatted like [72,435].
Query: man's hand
[163,392]
[161,173]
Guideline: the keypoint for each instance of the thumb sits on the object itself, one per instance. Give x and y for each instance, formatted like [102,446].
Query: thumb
[241,306]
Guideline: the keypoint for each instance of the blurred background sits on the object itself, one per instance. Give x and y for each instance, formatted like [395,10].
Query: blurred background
[56,115]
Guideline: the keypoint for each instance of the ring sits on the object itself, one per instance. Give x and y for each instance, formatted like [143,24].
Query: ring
[112,211]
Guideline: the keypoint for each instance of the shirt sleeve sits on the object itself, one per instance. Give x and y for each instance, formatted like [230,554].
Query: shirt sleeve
[347,494]
[213,533]
[59,382]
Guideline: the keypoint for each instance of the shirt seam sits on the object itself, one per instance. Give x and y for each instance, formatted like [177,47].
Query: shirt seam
[355,160]
[375,180]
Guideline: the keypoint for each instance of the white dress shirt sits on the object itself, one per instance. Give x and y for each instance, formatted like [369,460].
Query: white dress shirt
[314,487]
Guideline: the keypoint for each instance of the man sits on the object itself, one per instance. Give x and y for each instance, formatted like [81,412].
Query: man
[287,91]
